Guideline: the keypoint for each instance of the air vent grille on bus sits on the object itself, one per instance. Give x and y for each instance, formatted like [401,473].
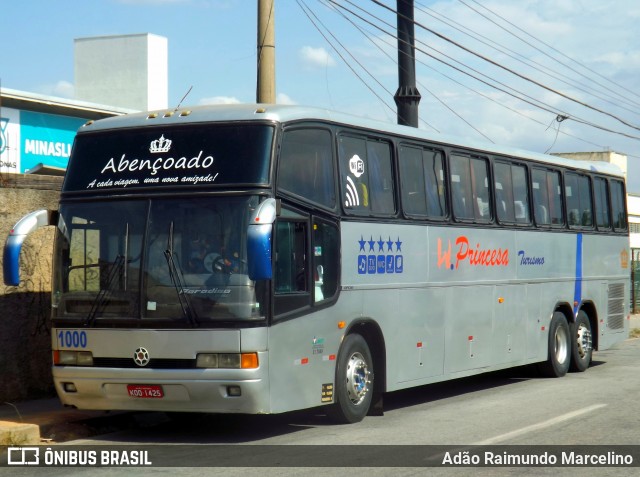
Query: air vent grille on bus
[615,319]
[153,364]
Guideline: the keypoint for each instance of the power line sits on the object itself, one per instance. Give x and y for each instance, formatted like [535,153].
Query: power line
[419,83]
[489,98]
[535,103]
[509,70]
[529,62]
[309,13]
[531,101]
[590,70]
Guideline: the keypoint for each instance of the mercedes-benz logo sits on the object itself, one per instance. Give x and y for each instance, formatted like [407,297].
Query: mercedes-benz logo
[141,357]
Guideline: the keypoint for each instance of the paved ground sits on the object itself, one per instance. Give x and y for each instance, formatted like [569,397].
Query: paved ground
[46,421]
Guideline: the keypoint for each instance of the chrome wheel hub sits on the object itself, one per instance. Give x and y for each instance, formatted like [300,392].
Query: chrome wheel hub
[357,378]
[584,341]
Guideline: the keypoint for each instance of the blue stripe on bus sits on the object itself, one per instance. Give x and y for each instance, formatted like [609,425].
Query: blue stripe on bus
[577,293]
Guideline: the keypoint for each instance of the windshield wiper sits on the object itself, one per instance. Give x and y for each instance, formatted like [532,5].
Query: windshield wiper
[176,279]
[101,297]
[116,268]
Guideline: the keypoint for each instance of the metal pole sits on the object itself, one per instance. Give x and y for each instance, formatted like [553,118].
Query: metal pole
[407,97]
[266,85]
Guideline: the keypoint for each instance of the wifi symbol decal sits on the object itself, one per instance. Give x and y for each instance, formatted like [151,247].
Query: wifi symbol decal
[352,198]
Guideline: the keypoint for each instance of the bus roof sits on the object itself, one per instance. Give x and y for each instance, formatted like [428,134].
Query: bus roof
[287,113]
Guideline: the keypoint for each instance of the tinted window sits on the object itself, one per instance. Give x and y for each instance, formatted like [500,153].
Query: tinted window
[422,182]
[326,260]
[306,165]
[578,195]
[367,179]
[618,205]
[290,273]
[470,188]
[512,194]
[601,193]
[547,197]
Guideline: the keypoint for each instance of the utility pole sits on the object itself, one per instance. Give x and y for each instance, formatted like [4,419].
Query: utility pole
[266,85]
[407,97]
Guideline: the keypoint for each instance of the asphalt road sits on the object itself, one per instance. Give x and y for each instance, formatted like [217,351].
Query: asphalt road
[515,407]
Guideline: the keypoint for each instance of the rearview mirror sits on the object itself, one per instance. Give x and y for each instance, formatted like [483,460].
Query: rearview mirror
[259,238]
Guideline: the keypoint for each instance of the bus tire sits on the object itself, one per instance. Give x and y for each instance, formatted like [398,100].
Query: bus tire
[559,348]
[581,343]
[354,381]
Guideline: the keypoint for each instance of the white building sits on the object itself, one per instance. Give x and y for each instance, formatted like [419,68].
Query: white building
[633,210]
[124,71]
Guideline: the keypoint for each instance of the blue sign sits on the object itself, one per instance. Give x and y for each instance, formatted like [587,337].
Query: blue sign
[382,263]
[46,139]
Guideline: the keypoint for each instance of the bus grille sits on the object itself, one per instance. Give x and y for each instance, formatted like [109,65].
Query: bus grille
[615,319]
[153,364]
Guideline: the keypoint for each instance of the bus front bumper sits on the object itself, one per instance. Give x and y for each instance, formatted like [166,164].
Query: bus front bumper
[204,390]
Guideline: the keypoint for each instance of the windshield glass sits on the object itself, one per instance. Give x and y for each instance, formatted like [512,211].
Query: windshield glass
[169,260]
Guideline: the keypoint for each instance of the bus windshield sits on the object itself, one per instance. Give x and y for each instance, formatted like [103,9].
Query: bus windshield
[166,260]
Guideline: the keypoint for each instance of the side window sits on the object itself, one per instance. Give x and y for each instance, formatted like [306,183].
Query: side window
[512,193]
[601,192]
[367,185]
[541,208]
[618,205]
[291,275]
[578,194]
[326,260]
[306,165]
[547,197]
[470,188]
[307,264]
[422,182]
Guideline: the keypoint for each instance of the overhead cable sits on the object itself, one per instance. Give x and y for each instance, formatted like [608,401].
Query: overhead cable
[509,70]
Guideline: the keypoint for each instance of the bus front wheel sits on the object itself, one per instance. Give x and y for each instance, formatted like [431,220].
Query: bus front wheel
[559,354]
[581,343]
[354,381]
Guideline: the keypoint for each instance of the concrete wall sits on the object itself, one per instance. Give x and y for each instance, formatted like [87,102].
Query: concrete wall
[25,343]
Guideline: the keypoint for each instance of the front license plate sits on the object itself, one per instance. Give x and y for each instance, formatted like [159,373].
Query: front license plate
[145,390]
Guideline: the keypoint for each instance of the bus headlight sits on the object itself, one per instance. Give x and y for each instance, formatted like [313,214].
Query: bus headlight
[227,360]
[72,358]
[206,360]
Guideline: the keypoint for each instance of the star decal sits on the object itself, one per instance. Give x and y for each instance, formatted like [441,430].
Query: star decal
[389,245]
[371,243]
[361,242]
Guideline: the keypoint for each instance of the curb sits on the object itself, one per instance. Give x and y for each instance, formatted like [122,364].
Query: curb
[18,434]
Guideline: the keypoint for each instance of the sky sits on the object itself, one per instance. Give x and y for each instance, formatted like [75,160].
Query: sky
[572,67]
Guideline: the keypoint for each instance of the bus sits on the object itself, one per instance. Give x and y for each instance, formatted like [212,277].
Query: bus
[267,258]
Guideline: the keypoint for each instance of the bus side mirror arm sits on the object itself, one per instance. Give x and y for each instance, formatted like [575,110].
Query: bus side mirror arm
[17,235]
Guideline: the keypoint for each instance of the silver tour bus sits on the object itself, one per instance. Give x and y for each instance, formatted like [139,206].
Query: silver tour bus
[262,259]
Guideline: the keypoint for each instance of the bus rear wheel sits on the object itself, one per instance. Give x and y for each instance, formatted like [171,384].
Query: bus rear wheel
[581,343]
[354,381]
[559,348]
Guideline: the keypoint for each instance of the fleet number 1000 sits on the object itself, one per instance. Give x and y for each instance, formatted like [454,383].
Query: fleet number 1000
[72,339]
